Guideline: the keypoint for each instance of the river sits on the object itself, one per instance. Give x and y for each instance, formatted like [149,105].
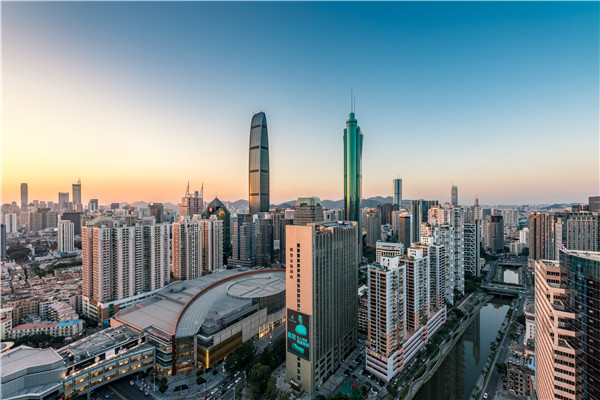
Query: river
[459,372]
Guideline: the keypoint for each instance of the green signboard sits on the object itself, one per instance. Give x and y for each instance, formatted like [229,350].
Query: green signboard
[298,333]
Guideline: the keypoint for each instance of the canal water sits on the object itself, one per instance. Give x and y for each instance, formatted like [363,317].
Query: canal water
[459,372]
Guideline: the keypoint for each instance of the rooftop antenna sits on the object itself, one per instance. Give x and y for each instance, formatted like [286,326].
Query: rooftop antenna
[79,181]
[202,190]
[187,191]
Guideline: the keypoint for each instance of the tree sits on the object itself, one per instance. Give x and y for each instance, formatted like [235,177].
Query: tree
[240,357]
[18,253]
[521,319]
[163,381]
[502,368]
[200,380]
[272,391]
[258,377]
[525,251]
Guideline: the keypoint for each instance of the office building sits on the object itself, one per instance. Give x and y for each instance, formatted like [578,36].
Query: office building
[398,192]
[192,204]
[384,249]
[353,143]
[42,218]
[476,210]
[212,244]
[122,257]
[321,300]
[75,218]
[308,210]
[217,209]
[243,241]
[567,333]
[401,226]
[10,220]
[186,249]
[157,210]
[416,210]
[24,196]
[66,236]
[264,241]
[77,192]
[259,197]
[373,225]
[454,195]
[63,201]
[494,233]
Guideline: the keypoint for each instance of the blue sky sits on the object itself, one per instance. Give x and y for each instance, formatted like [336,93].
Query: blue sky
[500,99]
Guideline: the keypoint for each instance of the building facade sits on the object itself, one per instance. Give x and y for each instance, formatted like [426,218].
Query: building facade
[186,249]
[66,236]
[321,300]
[353,144]
[259,192]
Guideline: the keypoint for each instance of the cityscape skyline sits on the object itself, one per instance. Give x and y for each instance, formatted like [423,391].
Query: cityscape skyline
[495,98]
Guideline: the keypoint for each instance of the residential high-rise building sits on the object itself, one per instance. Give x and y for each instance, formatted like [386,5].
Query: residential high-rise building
[2,241]
[122,257]
[321,300]
[403,313]
[472,248]
[353,143]
[540,243]
[454,196]
[243,241]
[398,192]
[186,249]
[63,200]
[476,210]
[42,218]
[11,222]
[384,249]
[212,244]
[582,232]
[24,196]
[308,209]
[416,210]
[192,204]
[511,217]
[93,205]
[77,192]
[219,210]
[259,197]
[373,225]
[567,333]
[66,235]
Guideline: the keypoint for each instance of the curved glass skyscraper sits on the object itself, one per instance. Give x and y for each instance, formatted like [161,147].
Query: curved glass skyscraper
[259,164]
[353,141]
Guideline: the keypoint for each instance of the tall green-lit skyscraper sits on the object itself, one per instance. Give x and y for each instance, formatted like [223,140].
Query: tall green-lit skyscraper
[353,143]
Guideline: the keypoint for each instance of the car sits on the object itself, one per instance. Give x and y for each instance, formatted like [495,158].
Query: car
[131,383]
[485,395]
[106,395]
[238,380]
[229,386]
[146,394]
[142,388]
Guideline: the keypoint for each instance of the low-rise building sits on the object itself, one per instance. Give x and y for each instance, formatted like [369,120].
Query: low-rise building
[52,328]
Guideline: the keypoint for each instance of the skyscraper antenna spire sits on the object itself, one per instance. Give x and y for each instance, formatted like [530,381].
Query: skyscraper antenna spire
[202,190]
[187,191]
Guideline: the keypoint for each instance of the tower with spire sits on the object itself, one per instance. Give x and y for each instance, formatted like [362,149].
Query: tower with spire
[353,143]
[192,204]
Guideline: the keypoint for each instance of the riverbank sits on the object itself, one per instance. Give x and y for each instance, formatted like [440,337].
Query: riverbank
[471,306]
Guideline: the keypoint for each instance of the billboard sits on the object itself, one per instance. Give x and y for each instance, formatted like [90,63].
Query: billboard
[298,333]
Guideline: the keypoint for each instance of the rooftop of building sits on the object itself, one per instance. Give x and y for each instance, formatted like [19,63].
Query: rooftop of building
[23,359]
[97,343]
[182,307]
[308,201]
[588,255]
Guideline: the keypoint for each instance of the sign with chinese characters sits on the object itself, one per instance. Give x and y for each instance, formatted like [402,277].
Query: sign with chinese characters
[298,334]
[377,355]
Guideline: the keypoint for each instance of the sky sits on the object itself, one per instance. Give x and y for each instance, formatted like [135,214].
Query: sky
[137,99]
